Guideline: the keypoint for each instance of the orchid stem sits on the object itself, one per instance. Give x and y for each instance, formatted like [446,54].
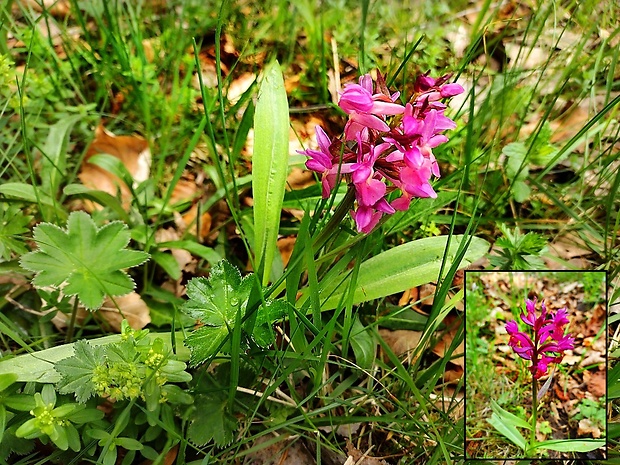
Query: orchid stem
[534,412]
[334,222]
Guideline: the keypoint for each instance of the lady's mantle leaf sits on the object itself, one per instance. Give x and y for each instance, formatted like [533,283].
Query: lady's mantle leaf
[211,419]
[77,371]
[205,342]
[216,302]
[87,260]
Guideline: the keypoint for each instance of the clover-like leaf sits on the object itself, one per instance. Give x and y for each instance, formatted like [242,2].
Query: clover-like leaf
[77,371]
[84,260]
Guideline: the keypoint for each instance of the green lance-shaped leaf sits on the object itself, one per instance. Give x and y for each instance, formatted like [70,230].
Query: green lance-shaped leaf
[509,430]
[571,445]
[269,166]
[39,367]
[87,261]
[401,268]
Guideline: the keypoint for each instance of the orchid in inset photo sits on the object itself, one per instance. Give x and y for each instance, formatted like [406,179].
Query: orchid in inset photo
[548,341]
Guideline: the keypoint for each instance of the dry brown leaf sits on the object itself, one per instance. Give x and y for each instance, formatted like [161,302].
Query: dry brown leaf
[280,453]
[185,259]
[299,179]
[401,341]
[566,127]
[208,72]
[201,229]
[239,86]
[442,345]
[448,399]
[347,430]
[133,309]
[185,190]
[286,245]
[571,248]
[132,151]
[427,293]
[358,458]
[409,296]
[60,8]
[596,382]
[586,427]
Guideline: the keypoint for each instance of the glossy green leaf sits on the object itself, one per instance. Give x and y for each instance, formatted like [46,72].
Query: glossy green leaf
[571,445]
[269,166]
[54,159]
[204,343]
[363,344]
[401,268]
[508,417]
[39,366]
[218,301]
[508,430]
[26,192]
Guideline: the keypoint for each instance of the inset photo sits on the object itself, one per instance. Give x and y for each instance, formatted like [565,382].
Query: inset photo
[536,365]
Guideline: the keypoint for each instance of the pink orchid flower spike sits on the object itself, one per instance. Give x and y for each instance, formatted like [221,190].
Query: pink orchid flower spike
[547,340]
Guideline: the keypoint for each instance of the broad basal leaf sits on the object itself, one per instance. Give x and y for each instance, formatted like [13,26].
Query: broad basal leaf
[402,267]
[87,261]
[508,430]
[571,445]
[269,166]
[77,371]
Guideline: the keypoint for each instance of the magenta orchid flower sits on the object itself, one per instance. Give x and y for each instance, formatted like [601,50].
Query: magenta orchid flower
[381,151]
[367,109]
[549,341]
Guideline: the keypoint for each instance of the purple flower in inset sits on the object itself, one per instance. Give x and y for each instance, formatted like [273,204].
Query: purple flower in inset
[548,341]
